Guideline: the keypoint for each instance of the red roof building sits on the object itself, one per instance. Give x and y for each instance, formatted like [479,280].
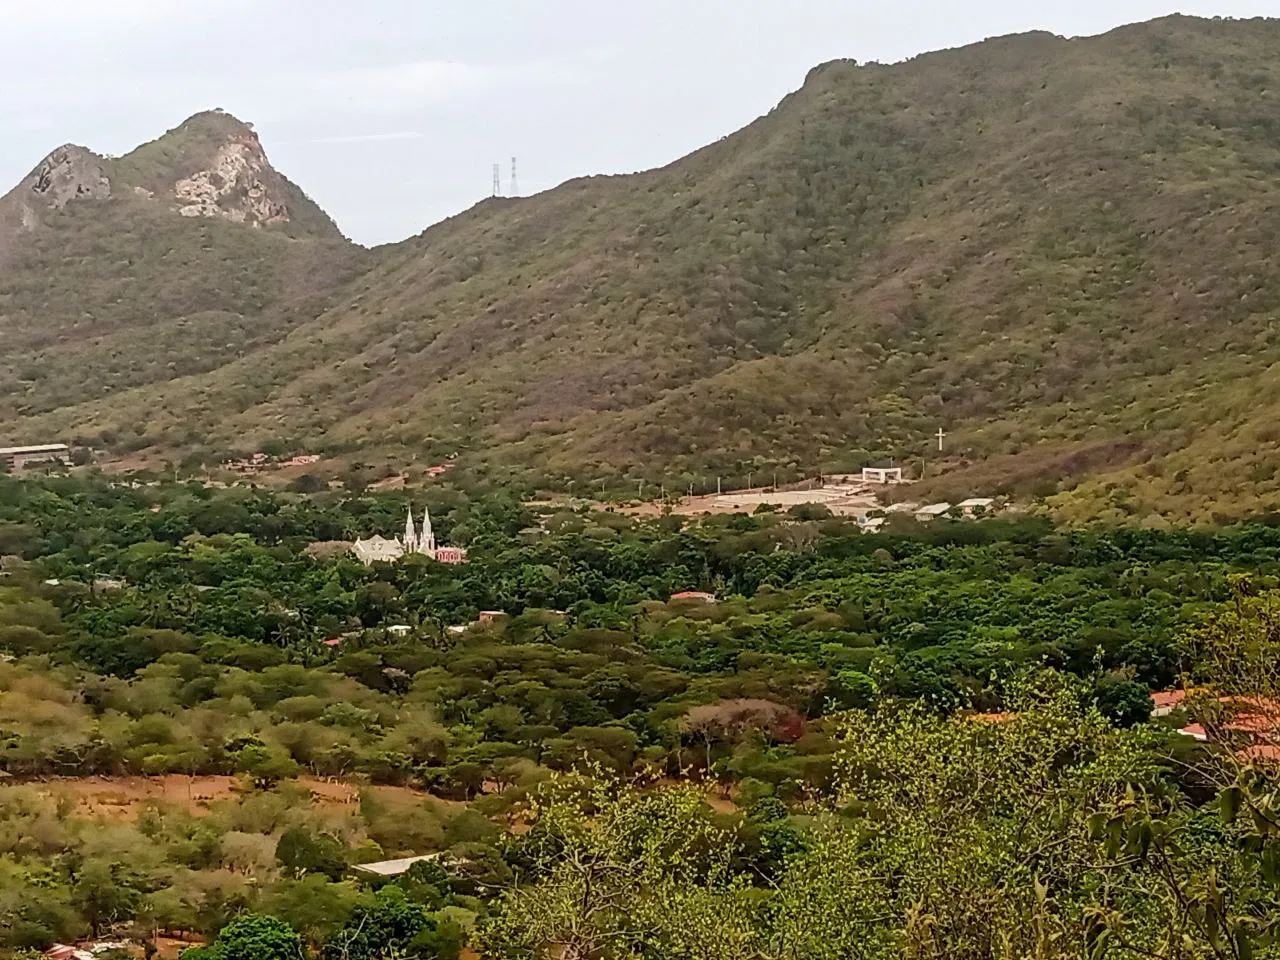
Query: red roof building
[1248,725]
[451,555]
[991,717]
[61,951]
[1165,702]
[1195,731]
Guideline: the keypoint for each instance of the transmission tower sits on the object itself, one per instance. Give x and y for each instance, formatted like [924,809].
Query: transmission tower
[497,180]
[515,184]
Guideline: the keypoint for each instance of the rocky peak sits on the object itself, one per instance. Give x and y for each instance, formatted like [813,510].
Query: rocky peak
[214,166]
[69,173]
[236,185]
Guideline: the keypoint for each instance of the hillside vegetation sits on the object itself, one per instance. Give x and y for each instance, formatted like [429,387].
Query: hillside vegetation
[103,295]
[1056,250]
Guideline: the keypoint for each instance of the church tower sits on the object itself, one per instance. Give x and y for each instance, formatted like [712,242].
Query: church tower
[427,542]
[410,535]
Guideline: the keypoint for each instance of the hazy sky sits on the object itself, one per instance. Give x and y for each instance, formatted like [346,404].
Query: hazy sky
[390,113]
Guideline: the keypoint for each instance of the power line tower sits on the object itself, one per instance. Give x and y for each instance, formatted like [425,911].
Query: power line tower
[515,184]
[497,180]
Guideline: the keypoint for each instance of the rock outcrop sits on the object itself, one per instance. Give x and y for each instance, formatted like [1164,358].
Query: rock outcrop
[68,173]
[210,166]
[236,187]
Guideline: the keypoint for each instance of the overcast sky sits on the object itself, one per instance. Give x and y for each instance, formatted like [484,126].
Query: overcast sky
[390,113]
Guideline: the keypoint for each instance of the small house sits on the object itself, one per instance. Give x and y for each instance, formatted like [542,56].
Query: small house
[881,474]
[389,869]
[697,595]
[15,458]
[63,951]
[932,511]
[1164,702]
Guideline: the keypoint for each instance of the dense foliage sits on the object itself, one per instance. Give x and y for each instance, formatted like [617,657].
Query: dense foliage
[172,634]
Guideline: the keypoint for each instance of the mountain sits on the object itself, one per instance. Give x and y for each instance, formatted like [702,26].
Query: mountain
[1058,251]
[185,254]
[211,166]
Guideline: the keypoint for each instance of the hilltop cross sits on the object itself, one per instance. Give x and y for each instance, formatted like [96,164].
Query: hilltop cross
[940,436]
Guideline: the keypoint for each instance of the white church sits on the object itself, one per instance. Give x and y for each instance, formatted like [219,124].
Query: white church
[420,542]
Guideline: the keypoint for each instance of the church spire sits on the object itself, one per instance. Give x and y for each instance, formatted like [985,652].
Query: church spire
[427,542]
[410,536]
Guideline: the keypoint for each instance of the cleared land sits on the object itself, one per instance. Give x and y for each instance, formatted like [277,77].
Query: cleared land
[840,499]
[121,798]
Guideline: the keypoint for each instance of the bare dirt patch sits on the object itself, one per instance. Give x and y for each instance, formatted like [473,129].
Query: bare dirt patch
[841,500]
[170,948]
[121,798]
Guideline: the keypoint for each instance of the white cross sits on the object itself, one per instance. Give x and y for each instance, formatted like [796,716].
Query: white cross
[940,436]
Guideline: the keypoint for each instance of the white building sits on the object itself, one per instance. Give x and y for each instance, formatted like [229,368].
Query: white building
[377,550]
[881,474]
[416,541]
[932,511]
[15,458]
[393,868]
[974,504]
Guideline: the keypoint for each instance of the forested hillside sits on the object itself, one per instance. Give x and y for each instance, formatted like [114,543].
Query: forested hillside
[1057,250]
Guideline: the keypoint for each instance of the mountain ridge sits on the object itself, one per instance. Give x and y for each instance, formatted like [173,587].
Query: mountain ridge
[120,271]
[1046,247]
[210,165]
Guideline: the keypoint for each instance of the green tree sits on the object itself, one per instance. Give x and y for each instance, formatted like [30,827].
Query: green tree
[103,896]
[266,766]
[1049,834]
[386,926]
[251,937]
[855,689]
[302,852]
[1124,702]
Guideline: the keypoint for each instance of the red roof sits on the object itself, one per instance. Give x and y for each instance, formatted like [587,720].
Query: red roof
[991,717]
[1168,698]
[693,595]
[1261,751]
[333,642]
[1259,716]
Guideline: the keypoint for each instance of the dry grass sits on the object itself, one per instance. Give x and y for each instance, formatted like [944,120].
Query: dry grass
[122,798]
